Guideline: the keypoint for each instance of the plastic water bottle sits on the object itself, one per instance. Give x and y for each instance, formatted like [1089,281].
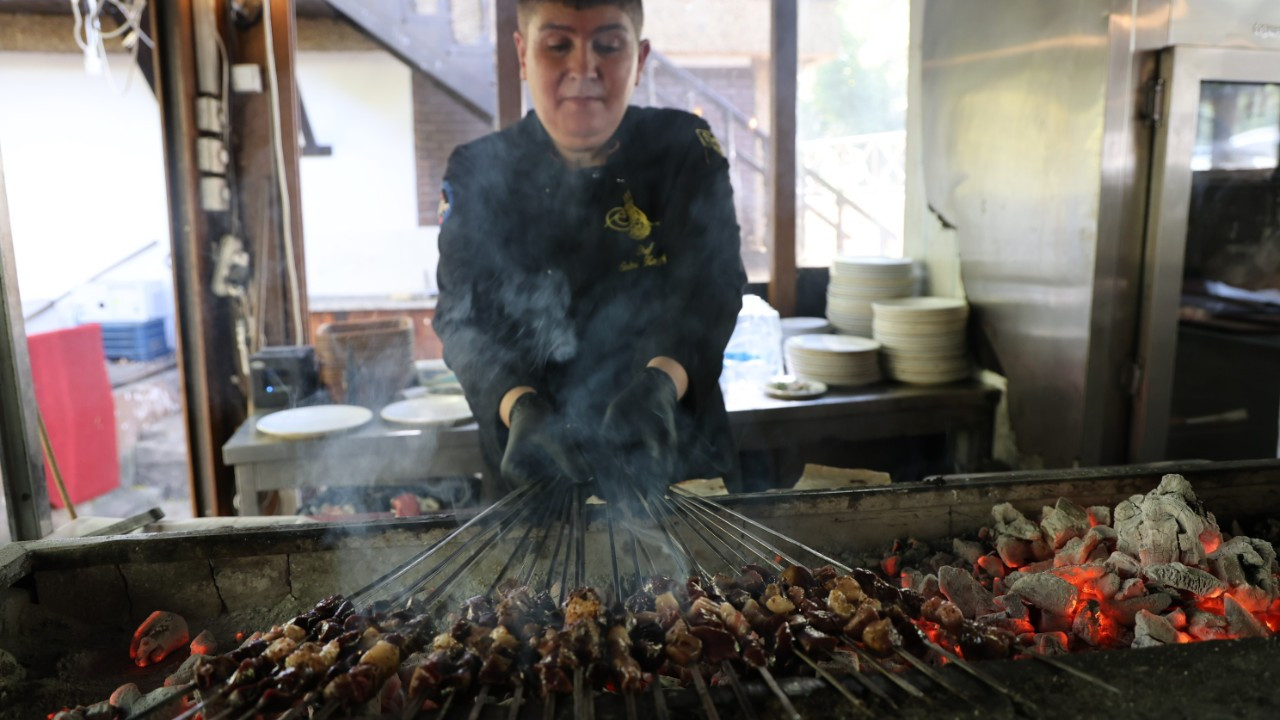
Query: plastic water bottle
[754,353]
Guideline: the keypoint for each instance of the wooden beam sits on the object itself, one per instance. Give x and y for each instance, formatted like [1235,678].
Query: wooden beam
[510,95]
[21,463]
[212,405]
[279,269]
[783,78]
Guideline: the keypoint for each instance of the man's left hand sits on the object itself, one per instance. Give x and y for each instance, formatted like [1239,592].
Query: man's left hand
[640,424]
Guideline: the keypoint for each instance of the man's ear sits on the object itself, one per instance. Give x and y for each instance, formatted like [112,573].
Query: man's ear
[644,57]
[519,40]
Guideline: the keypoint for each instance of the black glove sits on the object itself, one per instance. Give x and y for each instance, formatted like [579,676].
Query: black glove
[640,426]
[539,448]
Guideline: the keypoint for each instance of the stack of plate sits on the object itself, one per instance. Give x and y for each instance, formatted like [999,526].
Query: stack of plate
[837,360]
[923,339]
[856,282]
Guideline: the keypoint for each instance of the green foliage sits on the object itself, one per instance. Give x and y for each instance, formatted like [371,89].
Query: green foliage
[851,94]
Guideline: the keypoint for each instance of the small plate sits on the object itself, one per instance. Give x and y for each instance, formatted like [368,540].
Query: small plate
[314,421]
[430,409]
[790,387]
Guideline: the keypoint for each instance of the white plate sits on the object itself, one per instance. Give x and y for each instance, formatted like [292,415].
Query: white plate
[428,410]
[790,387]
[805,326]
[314,421]
[914,307]
[832,344]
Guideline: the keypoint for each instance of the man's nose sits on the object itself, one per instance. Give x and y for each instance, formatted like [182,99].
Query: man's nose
[582,61]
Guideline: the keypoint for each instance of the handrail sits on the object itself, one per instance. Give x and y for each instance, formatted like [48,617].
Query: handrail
[734,115]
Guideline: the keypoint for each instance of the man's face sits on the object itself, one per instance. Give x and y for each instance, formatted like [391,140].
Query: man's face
[581,66]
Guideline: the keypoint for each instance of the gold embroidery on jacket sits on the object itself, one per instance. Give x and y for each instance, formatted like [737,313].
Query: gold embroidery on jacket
[709,140]
[629,219]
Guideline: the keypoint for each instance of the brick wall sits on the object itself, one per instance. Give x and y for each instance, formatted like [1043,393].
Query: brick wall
[440,123]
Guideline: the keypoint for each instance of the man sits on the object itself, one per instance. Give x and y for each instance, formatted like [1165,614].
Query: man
[590,273]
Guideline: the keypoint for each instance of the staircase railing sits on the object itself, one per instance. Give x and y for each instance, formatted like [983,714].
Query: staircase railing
[746,145]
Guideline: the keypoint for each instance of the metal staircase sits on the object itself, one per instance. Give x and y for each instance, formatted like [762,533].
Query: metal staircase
[452,40]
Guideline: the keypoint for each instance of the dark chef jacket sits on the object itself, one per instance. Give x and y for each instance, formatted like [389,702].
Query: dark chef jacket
[570,281]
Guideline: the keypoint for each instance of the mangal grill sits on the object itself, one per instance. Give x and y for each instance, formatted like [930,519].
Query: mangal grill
[484,615]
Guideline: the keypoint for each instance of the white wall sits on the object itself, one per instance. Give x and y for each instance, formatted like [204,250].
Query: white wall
[360,205]
[84,173]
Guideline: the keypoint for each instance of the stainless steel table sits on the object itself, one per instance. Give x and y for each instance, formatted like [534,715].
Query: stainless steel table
[384,454]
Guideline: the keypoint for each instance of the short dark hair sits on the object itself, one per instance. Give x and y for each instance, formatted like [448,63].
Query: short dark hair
[633,8]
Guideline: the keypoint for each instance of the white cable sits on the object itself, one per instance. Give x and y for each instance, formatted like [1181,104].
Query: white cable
[286,210]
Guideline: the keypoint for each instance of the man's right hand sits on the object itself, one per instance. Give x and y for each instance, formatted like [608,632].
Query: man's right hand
[539,448]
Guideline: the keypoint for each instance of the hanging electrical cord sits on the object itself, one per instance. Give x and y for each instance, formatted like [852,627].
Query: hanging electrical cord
[91,38]
[285,205]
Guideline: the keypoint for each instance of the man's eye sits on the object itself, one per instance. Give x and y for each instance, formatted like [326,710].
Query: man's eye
[559,47]
[607,47]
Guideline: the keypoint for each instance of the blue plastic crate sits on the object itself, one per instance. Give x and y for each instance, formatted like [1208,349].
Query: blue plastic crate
[134,340]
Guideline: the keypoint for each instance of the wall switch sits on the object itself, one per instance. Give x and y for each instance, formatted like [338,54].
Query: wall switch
[211,156]
[246,78]
[215,196]
[209,115]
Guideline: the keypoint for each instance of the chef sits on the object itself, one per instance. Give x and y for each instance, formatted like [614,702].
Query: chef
[590,273]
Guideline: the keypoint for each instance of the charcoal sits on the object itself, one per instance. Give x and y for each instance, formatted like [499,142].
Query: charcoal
[992,567]
[1087,624]
[1013,551]
[1099,515]
[1047,592]
[1177,618]
[1242,622]
[1128,522]
[929,587]
[1067,520]
[1131,588]
[1041,550]
[1255,559]
[125,697]
[1126,610]
[1051,643]
[1123,564]
[1079,574]
[1011,522]
[1075,552]
[1159,539]
[1012,605]
[961,589]
[967,550]
[1207,626]
[1180,577]
[1150,630]
[1104,533]
[1253,599]
[1105,586]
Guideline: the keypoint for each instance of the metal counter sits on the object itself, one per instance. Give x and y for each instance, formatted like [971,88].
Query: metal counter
[381,453]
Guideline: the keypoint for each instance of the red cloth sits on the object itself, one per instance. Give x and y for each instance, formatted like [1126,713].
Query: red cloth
[68,368]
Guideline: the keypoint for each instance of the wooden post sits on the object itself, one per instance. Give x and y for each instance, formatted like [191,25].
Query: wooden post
[21,468]
[510,97]
[783,77]
[264,208]
[212,405]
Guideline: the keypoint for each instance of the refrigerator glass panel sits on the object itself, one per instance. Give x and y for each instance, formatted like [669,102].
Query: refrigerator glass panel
[1226,389]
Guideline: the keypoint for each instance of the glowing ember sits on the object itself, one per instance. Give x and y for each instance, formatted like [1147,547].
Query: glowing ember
[160,634]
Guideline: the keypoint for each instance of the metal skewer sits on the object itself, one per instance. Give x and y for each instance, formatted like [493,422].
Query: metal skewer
[932,674]
[893,678]
[708,705]
[739,691]
[833,682]
[1055,663]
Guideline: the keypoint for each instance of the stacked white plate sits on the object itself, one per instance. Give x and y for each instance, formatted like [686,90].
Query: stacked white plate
[923,339]
[837,360]
[857,282]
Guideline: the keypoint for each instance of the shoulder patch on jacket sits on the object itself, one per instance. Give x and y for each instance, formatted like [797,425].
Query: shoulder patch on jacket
[709,141]
[446,202]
